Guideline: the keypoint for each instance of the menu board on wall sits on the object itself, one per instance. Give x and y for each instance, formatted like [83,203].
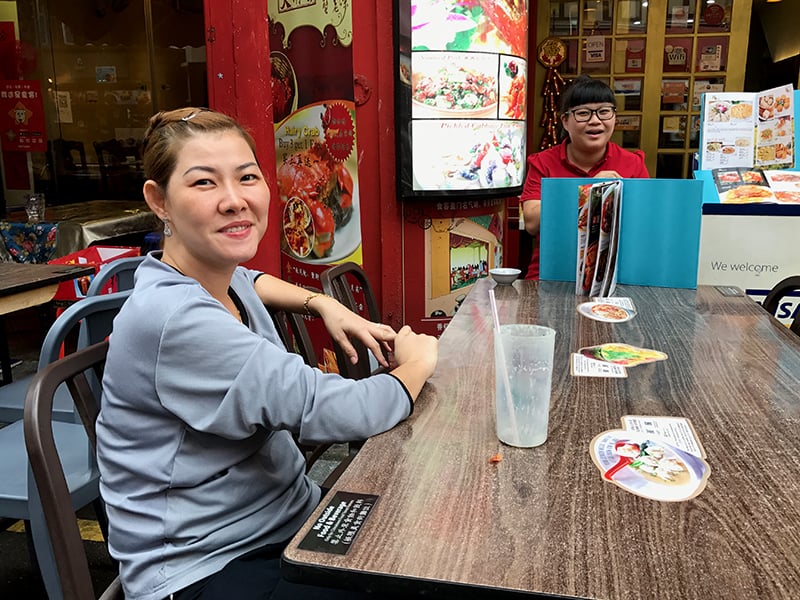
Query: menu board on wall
[462,75]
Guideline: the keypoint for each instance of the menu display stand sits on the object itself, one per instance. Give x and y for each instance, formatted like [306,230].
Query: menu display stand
[659,231]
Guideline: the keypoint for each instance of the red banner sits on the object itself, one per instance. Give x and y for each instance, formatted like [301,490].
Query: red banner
[22,122]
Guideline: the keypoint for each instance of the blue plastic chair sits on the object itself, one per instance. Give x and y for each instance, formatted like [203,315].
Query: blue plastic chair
[12,395]
[121,268]
[18,500]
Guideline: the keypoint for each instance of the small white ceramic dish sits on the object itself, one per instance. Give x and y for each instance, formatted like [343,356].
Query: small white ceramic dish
[504,276]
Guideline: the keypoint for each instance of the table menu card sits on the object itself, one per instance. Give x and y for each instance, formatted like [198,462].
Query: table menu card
[598,237]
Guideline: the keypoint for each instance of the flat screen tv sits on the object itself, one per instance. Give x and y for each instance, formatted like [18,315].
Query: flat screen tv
[461,97]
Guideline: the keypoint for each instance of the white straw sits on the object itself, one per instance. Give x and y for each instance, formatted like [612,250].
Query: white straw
[502,361]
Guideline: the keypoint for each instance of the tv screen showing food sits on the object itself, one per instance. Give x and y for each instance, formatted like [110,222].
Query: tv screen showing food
[461,95]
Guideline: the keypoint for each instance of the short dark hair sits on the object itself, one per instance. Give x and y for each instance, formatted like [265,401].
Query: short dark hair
[585,90]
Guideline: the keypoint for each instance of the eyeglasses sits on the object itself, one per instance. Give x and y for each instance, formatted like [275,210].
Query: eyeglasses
[604,113]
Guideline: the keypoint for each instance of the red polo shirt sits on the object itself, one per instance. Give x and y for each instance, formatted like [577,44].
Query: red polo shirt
[553,162]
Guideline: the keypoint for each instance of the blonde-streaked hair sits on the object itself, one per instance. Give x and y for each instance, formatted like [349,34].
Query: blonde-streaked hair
[168,131]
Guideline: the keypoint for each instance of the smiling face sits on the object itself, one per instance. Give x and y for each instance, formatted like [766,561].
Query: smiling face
[591,136]
[216,200]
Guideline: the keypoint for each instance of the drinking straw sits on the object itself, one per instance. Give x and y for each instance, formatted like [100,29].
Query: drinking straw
[498,346]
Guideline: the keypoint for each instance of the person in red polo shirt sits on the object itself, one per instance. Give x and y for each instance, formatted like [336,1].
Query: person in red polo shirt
[588,116]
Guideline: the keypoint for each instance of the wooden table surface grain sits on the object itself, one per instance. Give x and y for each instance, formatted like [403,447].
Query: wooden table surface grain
[542,521]
[25,285]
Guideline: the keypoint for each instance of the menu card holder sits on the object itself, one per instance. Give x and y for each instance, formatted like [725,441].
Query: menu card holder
[659,231]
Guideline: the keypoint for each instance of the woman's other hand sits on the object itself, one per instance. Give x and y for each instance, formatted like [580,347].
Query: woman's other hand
[613,174]
[343,324]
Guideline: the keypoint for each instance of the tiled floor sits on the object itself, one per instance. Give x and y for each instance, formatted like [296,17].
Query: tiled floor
[18,577]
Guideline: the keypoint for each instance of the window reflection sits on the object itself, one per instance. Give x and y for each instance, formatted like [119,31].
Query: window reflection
[105,68]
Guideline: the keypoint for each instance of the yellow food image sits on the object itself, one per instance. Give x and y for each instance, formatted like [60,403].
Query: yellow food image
[747,193]
[766,153]
[742,110]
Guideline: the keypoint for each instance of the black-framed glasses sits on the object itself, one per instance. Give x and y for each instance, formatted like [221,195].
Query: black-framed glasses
[604,113]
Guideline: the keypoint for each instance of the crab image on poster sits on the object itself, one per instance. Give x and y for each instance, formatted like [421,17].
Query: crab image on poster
[318,183]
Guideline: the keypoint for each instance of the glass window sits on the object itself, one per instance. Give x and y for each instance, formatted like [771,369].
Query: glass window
[629,55]
[563,17]
[715,16]
[597,17]
[680,16]
[672,133]
[596,56]
[712,54]
[631,16]
[674,94]
[628,93]
[677,54]
[628,131]
[701,86]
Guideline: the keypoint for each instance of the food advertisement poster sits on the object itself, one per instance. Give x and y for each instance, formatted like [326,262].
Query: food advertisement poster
[22,124]
[311,71]
[747,129]
[461,77]
[315,136]
[457,242]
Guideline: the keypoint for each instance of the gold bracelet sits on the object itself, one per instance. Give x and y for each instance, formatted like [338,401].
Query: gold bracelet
[308,299]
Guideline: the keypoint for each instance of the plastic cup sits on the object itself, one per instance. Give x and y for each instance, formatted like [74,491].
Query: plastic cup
[34,207]
[524,373]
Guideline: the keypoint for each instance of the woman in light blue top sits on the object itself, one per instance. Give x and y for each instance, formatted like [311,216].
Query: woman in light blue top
[202,480]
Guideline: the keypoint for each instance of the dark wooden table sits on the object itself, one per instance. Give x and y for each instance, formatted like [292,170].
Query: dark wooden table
[26,285]
[450,524]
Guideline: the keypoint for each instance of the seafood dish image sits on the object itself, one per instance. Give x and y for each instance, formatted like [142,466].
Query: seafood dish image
[318,193]
[457,90]
[477,155]
[752,177]
[784,177]
[748,193]
[602,311]
[788,197]
[622,354]
[649,467]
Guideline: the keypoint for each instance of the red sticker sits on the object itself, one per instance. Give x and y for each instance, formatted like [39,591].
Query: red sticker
[339,131]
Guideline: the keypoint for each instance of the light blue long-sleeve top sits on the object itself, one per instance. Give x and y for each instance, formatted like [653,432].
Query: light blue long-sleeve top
[196,457]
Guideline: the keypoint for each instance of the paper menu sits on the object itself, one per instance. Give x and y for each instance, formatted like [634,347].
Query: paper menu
[598,237]
[751,185]
[747,129]
[677,431]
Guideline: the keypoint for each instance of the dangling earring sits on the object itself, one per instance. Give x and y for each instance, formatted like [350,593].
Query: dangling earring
[167,230]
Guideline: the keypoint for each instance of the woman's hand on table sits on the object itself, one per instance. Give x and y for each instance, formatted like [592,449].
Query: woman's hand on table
[343,324]
[416,355]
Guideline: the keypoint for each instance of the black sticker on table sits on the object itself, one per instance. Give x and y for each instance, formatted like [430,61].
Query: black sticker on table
[336,528]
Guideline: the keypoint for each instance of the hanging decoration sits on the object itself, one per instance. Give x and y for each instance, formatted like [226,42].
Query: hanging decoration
[550,54]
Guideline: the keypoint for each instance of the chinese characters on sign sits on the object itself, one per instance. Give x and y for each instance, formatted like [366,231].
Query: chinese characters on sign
[337,527]
[22,116]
